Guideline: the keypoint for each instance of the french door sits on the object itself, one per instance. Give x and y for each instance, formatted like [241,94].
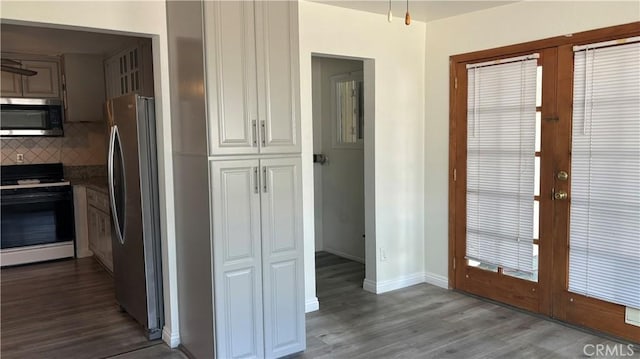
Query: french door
[517,137]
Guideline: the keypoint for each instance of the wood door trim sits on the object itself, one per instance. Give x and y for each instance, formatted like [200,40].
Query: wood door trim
[452,172]
[558,302]
[547,173]
[459,160]
[579,38]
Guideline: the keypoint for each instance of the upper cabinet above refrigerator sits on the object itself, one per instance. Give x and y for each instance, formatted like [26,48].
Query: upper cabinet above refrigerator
[130,71]
[252,86]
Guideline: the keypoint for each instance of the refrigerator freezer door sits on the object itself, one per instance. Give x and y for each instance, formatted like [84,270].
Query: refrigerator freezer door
[133,279]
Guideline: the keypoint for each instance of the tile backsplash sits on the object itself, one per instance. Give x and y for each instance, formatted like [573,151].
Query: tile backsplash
[83,144]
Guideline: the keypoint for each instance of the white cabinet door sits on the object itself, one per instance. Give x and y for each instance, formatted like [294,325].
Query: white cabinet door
[93,231]
[105,240]
[11,85]
[46,83]
[231,77]
[130,71]
[84,88]
[236,253]
[282,256]
[278,72]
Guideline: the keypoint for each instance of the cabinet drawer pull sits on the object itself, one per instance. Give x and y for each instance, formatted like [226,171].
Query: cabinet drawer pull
[263,127]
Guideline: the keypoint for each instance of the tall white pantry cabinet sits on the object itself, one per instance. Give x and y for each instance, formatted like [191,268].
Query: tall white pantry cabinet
[251,105]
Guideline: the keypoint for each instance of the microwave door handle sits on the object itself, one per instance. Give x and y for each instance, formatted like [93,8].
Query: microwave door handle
[114,212]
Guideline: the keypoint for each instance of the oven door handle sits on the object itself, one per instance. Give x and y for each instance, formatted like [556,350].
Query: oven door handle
[114,209]
[30,198]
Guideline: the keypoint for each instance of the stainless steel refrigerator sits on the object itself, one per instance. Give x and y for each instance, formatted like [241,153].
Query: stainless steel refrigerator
[133,192]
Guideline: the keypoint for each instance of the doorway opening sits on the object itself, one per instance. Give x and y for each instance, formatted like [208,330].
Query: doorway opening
[339,121]
[87,289]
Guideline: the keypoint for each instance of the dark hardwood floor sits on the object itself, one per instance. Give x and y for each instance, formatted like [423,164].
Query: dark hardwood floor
[64,309]
[425,321]
[67,309]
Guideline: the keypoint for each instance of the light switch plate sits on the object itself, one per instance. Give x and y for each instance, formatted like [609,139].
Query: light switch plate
[632,316]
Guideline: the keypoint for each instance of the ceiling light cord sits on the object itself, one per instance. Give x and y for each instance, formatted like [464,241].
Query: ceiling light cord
[389,15]
[407,16]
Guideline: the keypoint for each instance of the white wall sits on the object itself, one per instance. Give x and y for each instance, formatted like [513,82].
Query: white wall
[495,27]
[339,183]
[397,68]
[138,18]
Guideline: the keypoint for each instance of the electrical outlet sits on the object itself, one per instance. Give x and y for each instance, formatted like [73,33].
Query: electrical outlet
[19,158]
[383,255]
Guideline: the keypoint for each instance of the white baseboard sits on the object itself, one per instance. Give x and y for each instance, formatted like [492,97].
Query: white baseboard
[393,284]
[344,255]
[172,339]
[436,279]
[405,281]
[369,286]
[311,305]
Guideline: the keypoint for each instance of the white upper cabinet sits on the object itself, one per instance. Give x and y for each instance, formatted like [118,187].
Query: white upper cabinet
[11,84]
[231,77]
[46,83]
[252,82]
[278,71]
[130,71]
[83,89]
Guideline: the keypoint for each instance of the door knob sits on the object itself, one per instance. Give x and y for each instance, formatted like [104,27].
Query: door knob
[560,195]
[562,176]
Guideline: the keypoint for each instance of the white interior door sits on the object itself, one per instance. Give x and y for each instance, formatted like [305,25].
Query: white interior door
[282,256]
[343,173]
[236,253]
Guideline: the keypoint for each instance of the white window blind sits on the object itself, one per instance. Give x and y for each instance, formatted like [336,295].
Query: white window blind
[501,122]
[604,235]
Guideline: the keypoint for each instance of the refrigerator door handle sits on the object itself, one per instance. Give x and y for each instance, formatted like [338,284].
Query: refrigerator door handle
[114,212]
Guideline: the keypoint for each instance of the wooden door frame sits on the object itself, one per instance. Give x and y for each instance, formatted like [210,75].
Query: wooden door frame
[562,90]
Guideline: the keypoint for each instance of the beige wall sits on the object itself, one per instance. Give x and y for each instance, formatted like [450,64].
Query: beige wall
[134,18]
[495,27]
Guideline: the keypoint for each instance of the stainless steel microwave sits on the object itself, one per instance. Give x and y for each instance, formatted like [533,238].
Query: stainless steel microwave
[31,117]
